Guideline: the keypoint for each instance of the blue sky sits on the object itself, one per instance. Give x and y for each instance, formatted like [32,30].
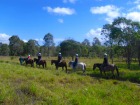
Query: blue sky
[76,19]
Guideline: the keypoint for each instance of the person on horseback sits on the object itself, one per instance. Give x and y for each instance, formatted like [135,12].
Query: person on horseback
[39,57]
[21,60]
[76,61]
[105,61]
[59,58]
[28,58]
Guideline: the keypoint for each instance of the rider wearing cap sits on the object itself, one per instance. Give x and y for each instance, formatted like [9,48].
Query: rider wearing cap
[59,57]
[105,61]
[76,61]
[39,57]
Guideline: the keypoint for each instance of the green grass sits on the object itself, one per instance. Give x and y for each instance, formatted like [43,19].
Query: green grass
[20,85]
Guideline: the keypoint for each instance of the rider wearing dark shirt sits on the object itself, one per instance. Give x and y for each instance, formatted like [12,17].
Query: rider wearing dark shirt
[59,57]
[76,61]
[105,62]
[39,57]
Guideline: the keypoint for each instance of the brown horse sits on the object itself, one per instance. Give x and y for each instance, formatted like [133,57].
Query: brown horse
[61,64]
[30,61]
[110,67]
[41,62]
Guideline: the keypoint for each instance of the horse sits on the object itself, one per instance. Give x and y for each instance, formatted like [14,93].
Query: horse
[21,60]
[41,62]
[61,64]
[110,67]
[80,65]
[29,61]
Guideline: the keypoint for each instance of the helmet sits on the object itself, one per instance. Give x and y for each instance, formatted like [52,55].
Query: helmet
[28,55]
[105,54]
[76,54]
[59,53]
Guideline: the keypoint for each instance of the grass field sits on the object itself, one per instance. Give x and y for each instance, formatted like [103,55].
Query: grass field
[20,85]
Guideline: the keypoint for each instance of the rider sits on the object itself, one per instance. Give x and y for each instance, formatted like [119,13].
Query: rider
[105,61]
[76,61]
[39,57]
[28,57]
[59,57]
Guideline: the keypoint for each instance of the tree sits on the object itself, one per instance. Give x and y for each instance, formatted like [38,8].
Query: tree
[48,38]
[96,41]
[4,50]
[85,47]
[32,47]
[70,47]
[125,33]
[107,32]
[15,45]
[86,42]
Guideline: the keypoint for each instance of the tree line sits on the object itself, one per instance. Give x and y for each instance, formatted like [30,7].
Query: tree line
[122,40]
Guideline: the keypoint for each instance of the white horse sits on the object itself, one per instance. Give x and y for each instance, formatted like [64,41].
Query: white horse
[80,65]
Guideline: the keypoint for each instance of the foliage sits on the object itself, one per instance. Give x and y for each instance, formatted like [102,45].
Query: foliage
[4,50]
[16,45]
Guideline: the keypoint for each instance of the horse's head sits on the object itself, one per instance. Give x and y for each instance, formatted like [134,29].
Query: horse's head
[35,59]
[97,65]
[70,63]
[52,62]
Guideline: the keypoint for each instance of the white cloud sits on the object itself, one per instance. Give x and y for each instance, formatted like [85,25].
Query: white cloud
[110,10]
[59,10]
[137,1]
[70,1]
[4,38]
[135,16]
[95,33]
[60,20]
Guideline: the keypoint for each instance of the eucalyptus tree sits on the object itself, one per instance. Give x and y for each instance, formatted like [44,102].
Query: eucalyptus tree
[125,33]
[16,45]
[70,47]
[85,47]
[49,42]
[109,37]
[4,50]
[96,47]
[32,47]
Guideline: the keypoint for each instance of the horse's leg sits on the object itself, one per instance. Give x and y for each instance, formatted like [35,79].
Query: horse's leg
[117,70]
[113,73]
[66,68]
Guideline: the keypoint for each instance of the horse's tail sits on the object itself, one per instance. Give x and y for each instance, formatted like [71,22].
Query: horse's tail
[84,67]
[117,70]
[45,64]
[66,67]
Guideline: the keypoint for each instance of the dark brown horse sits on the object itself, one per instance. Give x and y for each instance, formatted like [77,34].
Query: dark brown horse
[41,62]
[61,64]
[30,61]
[110,67]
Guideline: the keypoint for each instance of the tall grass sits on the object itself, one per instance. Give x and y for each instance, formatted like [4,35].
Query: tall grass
[20,85]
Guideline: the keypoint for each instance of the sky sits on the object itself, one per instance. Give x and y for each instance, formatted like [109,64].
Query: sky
[64,19]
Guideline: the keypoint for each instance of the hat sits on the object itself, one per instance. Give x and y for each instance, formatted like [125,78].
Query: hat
[76,54]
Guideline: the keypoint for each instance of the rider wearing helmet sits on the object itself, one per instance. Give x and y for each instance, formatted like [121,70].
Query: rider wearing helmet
[76,61]
[39,57]
[105,61]
[59,57]
[28,57]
